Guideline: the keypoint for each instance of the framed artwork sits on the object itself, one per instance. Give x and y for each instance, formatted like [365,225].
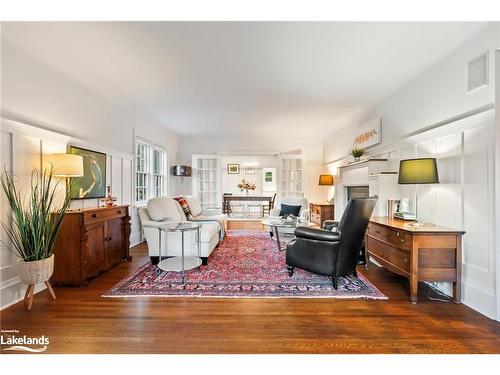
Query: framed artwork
[233,169]
[269,179]
[369,134]
[250,169]
[93,182]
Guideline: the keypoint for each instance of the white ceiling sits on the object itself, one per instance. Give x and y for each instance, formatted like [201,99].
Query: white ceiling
[295,79]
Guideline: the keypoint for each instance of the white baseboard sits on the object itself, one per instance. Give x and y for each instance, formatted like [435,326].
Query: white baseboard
[479,298]
[12,291]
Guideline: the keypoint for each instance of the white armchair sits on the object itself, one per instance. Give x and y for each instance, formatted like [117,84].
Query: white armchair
[304,212]
[304,209]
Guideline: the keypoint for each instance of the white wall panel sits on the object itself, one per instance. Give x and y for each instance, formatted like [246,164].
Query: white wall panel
[25,147]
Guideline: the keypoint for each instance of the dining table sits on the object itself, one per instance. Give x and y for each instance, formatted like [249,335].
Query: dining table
[227,199]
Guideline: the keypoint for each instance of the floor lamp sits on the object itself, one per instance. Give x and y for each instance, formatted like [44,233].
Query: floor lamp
[418,172]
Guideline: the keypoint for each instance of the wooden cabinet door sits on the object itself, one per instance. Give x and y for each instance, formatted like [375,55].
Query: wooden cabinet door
[115,246]
[94,258]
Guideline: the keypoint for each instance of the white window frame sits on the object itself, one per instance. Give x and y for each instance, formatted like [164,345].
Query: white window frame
[149,171]
[163,173]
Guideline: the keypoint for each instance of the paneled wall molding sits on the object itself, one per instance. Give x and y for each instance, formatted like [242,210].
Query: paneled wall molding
[23,148]
[465,198]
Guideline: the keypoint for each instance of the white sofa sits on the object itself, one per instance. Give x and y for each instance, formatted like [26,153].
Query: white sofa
[165,209]
[304,212]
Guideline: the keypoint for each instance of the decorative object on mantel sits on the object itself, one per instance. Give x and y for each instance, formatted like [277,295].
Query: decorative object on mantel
[92,183]
[34,228]
[233,169]
[357,153]
[369,134]
[246,186]
[416,172]
[181,171]
[109,201]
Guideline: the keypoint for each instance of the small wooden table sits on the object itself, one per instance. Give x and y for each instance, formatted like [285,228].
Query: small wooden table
[321,211]
[227,199]
[419,253]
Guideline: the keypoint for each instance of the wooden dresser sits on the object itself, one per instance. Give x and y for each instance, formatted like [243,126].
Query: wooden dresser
[320,212]
[425,253]
[90,241]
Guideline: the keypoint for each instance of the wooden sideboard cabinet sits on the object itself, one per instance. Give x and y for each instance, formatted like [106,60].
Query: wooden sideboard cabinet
[90,241]
[424,253]
[320,212]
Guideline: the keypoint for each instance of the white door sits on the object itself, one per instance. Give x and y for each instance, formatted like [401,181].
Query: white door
[207,178]
[290,176]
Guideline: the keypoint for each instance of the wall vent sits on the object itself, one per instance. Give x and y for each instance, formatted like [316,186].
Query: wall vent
[477,72]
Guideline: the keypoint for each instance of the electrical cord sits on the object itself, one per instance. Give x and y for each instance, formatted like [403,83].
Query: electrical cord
[433,287]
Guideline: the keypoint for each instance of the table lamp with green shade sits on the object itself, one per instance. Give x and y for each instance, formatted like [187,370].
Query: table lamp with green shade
[416,172]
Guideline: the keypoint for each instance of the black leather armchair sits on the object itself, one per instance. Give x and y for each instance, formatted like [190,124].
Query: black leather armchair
[333,250]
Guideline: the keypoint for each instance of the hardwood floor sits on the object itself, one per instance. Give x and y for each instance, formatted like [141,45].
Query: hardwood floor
[80,321]
[244,225]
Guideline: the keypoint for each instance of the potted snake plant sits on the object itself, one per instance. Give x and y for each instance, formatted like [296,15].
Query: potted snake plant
[34,225]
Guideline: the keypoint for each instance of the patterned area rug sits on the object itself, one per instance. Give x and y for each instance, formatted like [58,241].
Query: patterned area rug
[246,264]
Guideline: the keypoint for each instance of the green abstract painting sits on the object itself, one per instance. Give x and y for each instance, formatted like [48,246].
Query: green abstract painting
[93,182]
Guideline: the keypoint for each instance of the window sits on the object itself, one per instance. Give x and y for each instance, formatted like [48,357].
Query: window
[159,172]
[151,171]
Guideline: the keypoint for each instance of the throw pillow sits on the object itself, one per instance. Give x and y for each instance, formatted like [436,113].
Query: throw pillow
[194,205]
[163,208]
[185,207]
[289,210]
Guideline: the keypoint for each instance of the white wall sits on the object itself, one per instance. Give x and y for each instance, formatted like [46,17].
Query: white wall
[229,181]
[412,121]
[434,96]
[35,94]
[312,152]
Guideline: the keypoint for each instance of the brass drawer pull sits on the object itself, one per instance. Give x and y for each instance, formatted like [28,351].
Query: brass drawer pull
[94,215]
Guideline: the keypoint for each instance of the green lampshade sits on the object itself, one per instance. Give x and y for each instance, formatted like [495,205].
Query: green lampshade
[418,171]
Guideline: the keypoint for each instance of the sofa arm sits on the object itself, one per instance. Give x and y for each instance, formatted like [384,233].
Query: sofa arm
[316,234]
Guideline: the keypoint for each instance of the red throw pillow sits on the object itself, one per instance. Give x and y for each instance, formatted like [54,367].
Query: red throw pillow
[185,207]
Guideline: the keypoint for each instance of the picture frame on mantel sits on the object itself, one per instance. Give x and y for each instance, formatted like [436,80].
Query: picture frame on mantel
[233,169]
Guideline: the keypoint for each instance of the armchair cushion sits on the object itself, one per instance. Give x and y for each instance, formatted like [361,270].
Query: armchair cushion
[316,234]
[287,209]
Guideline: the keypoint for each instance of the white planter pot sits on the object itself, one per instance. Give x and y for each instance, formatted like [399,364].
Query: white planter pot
[35,272]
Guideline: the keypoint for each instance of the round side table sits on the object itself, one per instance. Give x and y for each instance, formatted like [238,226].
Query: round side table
[181,263]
